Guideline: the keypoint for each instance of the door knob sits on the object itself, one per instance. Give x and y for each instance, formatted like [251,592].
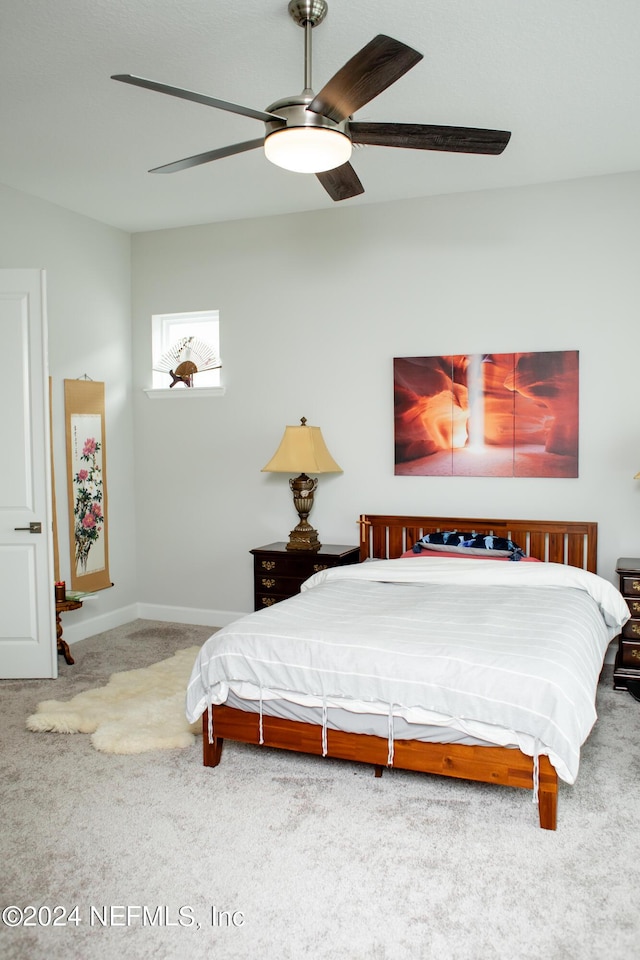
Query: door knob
[32,528]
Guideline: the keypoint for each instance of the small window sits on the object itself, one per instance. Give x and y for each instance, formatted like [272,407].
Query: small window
[182,341]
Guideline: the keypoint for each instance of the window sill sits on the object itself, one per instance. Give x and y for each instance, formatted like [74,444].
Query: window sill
[164,393]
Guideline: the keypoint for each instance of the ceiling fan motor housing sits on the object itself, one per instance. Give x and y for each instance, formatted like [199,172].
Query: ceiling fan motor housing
[294,111]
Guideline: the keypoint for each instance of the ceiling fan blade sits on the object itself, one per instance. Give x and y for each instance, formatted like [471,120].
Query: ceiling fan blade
[424,136]
[207,157]
[374,68]
[195,97]
[341,182]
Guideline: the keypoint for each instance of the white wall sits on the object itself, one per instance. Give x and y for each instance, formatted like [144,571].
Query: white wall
[88,269]
[313,309]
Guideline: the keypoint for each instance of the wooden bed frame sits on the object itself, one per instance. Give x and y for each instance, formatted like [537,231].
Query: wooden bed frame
[383,537]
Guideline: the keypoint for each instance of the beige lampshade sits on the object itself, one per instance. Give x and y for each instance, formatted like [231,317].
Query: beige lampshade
[637,476]
[302,450]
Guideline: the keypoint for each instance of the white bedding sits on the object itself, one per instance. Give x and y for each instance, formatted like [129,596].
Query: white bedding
[509,653]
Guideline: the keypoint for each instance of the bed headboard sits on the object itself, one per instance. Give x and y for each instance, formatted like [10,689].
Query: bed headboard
[556,541]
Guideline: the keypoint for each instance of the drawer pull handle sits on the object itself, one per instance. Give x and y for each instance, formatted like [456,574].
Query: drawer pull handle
[634,606]
[635,654]
[267,601]
[635,586]
[268,582]
[268,564]
[635,628]
[317,567]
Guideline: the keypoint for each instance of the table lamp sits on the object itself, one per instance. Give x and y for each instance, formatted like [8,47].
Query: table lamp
[302,450]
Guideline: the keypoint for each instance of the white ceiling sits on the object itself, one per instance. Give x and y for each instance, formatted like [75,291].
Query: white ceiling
[562,75]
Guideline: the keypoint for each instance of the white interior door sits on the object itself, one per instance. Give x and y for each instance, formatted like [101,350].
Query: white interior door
[27,608]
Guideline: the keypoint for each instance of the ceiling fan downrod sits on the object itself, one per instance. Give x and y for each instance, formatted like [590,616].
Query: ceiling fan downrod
[308,14]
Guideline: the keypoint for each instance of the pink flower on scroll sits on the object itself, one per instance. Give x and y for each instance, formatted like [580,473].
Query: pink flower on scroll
[88,503]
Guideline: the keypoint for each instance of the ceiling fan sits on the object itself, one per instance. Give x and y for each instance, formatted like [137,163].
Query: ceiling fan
[314,133]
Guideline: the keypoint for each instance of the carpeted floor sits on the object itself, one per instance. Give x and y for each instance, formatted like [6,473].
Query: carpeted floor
[284,857]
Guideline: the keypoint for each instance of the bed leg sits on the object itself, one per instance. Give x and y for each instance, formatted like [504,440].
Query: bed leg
[547,795]
[378,768]
[548,810]
[210,751]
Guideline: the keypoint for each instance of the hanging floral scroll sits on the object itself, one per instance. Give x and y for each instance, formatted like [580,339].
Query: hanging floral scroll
[87,485]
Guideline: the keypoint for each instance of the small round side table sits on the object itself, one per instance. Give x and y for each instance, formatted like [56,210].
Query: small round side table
[63,606]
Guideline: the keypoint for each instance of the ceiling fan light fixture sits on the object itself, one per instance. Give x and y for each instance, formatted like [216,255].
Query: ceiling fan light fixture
[307,149]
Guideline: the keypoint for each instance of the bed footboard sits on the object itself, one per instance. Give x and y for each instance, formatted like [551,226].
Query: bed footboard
[501,765]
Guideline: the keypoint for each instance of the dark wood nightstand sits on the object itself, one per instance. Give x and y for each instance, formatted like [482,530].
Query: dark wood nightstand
[278,572]
[627,666]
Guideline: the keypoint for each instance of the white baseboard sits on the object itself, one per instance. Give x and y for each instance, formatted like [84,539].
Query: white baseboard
[73,632]
[89,626]
[206,618]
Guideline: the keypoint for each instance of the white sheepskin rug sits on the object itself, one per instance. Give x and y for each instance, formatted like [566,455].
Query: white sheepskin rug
[138,710]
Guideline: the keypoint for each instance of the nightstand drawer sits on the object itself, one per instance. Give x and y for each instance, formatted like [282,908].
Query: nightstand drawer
[634,606]
[289,565]
[630,653]
[631,630]
[273,564]
[262,600]
[287,586]
[630,586]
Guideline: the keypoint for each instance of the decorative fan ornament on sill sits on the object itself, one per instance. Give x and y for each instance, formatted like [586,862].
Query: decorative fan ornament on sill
[185,358]
[315,133]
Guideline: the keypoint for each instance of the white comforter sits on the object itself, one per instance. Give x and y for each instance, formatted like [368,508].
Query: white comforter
[506,652]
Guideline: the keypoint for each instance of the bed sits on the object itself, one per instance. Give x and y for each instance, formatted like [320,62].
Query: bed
[250,680]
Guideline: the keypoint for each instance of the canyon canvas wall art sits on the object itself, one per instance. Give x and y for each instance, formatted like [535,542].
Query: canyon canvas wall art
[487,415]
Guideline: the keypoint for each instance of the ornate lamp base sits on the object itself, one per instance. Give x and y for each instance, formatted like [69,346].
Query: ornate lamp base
[303,536]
